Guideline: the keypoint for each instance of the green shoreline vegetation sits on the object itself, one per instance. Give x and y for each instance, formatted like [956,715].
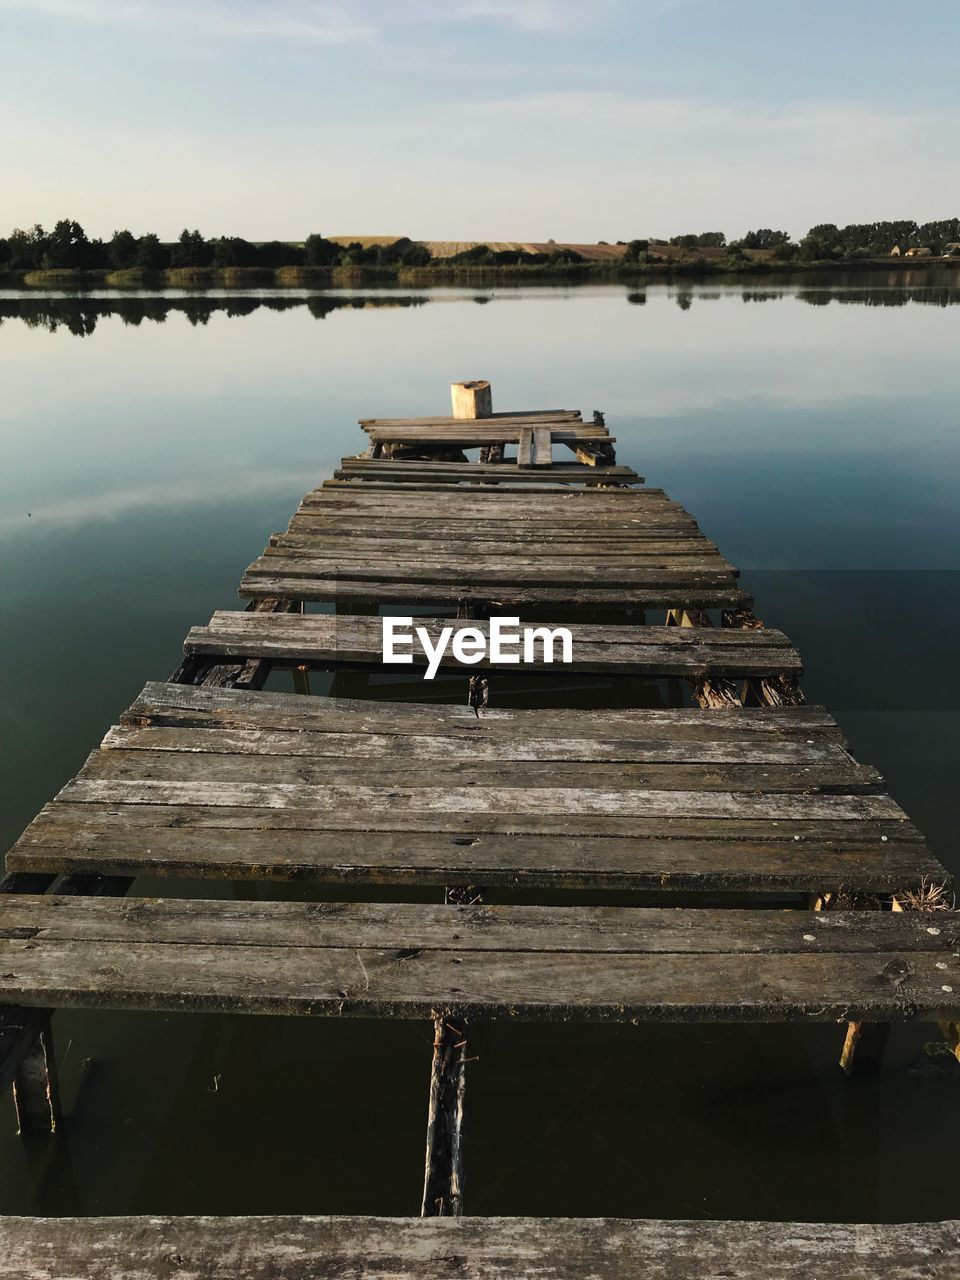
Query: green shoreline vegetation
[66,257]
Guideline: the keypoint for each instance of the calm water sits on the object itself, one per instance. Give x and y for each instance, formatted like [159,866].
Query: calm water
[149,447]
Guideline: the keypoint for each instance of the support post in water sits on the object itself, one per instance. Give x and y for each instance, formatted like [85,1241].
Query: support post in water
[863,1048]
[36,1088]
[443,1173]
[865,1043]
[471,399]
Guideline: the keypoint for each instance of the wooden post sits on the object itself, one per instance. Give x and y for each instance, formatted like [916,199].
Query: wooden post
[443,1171]
[443,1175]
[301,679]
[471,399]
[865,1043]
[36,1087]
[863,1048]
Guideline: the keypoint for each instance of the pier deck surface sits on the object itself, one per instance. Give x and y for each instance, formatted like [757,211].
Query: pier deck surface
[631,548]
[750,792]
[209,782]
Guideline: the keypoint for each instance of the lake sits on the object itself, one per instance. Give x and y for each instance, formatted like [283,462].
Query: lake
[150,445]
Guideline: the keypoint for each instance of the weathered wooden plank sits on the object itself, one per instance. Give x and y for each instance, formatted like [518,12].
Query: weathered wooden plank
[292,810]
[324,968]
[511,747]
[444,927]
[587,534]
[593,810]
[830,777]
[482,432]
[494,477]
[542,447]
[168,703]
[282,561]
[574,524]
[389,591]
[244,843]
[525,447]
[501,419]
[655,651]
[521,537]
[625,503]
[472,1248]
[463,523]
[565,548]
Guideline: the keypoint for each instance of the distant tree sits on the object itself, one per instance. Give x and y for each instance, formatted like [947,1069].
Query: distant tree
[319,252]
[151,254]
[636,250]
[277,253]
[404,252]
[704,240]
[350,255]
[233,251]
[734,256]
[191,250]
[822,242]
[67,247]
[6,253]
[764,238]
[122,250]
[27,248]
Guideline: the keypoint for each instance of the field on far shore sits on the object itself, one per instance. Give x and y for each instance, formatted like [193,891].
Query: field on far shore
[591,252]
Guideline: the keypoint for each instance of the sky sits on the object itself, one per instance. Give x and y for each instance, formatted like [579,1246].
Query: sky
[576,120]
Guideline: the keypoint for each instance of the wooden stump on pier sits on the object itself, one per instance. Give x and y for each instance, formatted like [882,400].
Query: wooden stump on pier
[471,399]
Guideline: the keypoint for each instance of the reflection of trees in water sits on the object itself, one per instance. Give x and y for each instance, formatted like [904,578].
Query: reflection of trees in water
[944,296]
[79,315]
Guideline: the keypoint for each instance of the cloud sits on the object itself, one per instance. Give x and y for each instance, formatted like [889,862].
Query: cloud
[322,21]
[543,16]
[298,20]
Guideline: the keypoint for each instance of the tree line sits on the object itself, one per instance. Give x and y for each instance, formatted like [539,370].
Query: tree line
[67,247]
[828,242]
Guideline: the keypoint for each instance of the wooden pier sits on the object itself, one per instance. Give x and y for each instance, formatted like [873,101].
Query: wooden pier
[741,798]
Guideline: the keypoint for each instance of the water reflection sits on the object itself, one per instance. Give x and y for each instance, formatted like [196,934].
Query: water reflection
[79,313]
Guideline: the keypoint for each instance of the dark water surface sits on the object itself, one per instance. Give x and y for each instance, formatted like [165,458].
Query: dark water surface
[149,446]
